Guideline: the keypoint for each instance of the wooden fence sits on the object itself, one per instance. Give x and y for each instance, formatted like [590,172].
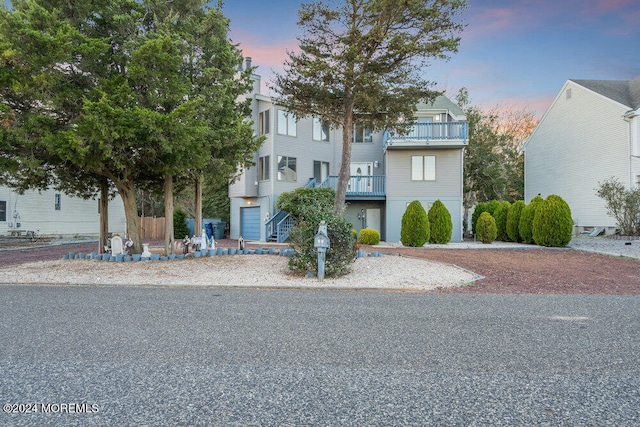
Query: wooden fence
[152,228]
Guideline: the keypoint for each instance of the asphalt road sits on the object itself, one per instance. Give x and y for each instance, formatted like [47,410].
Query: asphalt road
[192,356]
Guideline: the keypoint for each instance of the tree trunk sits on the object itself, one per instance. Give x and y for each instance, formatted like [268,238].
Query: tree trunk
[168,215]
[345,167]
[104,215]
[127,192]
[197,230]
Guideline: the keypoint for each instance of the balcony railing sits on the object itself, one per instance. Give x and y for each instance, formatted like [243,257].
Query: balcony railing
[360,186]
[425,132]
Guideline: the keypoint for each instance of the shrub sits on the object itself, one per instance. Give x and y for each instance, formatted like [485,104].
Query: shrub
[440,225]
[180,228]
[526,220]
[492,206]
[415,229]
[303,202]
[552,223]
[486,228]
[622,204]
[480,207]
[500,215]
[369,236]
[513,221]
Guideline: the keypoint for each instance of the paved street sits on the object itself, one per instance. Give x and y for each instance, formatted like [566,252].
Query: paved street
[194,356]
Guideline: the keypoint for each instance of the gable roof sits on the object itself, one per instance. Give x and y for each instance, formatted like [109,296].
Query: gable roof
[626,92]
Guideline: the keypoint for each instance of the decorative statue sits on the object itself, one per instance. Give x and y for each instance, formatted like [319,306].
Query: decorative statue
[185,244]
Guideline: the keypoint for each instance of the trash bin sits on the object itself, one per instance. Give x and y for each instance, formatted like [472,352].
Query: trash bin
[218,229]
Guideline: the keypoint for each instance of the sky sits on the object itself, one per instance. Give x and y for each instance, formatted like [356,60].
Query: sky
[513,54]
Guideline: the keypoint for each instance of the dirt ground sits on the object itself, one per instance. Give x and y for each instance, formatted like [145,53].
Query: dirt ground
[507,271]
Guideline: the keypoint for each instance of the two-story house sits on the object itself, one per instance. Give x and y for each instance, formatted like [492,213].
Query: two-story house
[387,171]
[590,133]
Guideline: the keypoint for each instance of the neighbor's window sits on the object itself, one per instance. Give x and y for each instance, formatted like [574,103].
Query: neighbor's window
[3,210]
[264,168]
[286,123]
[57,201]
[264,124]
[287,168]
[423,168]
[320,130]
[361,134]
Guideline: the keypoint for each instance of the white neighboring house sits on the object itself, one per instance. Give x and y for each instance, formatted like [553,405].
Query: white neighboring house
[52,213]
[589,133]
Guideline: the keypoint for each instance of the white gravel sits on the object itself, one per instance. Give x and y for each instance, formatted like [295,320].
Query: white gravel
[627,247]
[386,272]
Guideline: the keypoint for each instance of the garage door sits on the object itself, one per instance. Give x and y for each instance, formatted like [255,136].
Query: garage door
[250,220]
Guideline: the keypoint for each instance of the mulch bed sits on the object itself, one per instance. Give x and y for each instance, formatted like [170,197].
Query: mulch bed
[504,271]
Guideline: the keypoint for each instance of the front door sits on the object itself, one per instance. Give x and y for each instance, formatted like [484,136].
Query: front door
[361,173]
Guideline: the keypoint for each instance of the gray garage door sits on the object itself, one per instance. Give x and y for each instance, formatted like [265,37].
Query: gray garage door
[250,219]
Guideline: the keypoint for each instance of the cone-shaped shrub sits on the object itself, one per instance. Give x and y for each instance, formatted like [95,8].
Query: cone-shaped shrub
[500,215]
[369,236]
[480,207]
[415,225]
[513,221]
[552,223]
[440,223]
[492,206]
[526,220]
[486,228]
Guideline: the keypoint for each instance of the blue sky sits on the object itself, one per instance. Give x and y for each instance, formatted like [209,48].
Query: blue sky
[513,54]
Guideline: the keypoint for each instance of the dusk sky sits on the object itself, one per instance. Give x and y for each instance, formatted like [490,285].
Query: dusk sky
[514,54]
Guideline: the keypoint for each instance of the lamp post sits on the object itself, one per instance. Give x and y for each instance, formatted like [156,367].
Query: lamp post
[321,243]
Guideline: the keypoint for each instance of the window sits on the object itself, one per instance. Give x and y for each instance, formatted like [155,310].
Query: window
[57,201]
[423,168]
[264,124]
[264,168]
[320,130]
[568,93]
[287,168]
[361,134]
[3,210]
[286,123]
[320,171]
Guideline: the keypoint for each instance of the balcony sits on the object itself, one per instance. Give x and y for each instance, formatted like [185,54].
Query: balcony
[435,135]
[361,187]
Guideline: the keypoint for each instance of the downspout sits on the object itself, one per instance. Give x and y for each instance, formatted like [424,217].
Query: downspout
[629,118]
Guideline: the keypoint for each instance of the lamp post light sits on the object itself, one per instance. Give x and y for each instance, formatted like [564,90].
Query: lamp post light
[321,243]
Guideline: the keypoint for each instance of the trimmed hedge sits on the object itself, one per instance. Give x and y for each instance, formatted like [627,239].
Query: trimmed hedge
[415,229]
[440,223]
[500,215]
[369,236]
[513,221]
[526,220]
[552,223]
[486,228]
[480,207]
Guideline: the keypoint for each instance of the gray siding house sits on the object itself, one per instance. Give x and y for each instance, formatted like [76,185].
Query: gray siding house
[589,133]
[387,171]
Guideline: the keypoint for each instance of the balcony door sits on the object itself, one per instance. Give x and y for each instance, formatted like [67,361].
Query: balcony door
[361,173]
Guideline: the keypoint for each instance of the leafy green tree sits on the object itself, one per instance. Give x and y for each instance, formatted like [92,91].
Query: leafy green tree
[486,228]
[526,219]
[552,224]
[513,221]
[440,224]
[415,230]
[361,61]
[500,215]
[622,204]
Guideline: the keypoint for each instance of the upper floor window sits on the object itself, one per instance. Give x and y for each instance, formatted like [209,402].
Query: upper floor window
[57,201]
[361,134]
[264,125]
[423,168]
[264,166]
[287,168]
[286,123]
[3,210]
[320,130]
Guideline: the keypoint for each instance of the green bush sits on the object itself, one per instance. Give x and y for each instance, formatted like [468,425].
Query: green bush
[480,207]
[486,228]
[526,220]
[492,206]
[309,206]
[180,228]
[369,236]
[500,215]
[513,221]
[552,223]
[440,224]
[415,229]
